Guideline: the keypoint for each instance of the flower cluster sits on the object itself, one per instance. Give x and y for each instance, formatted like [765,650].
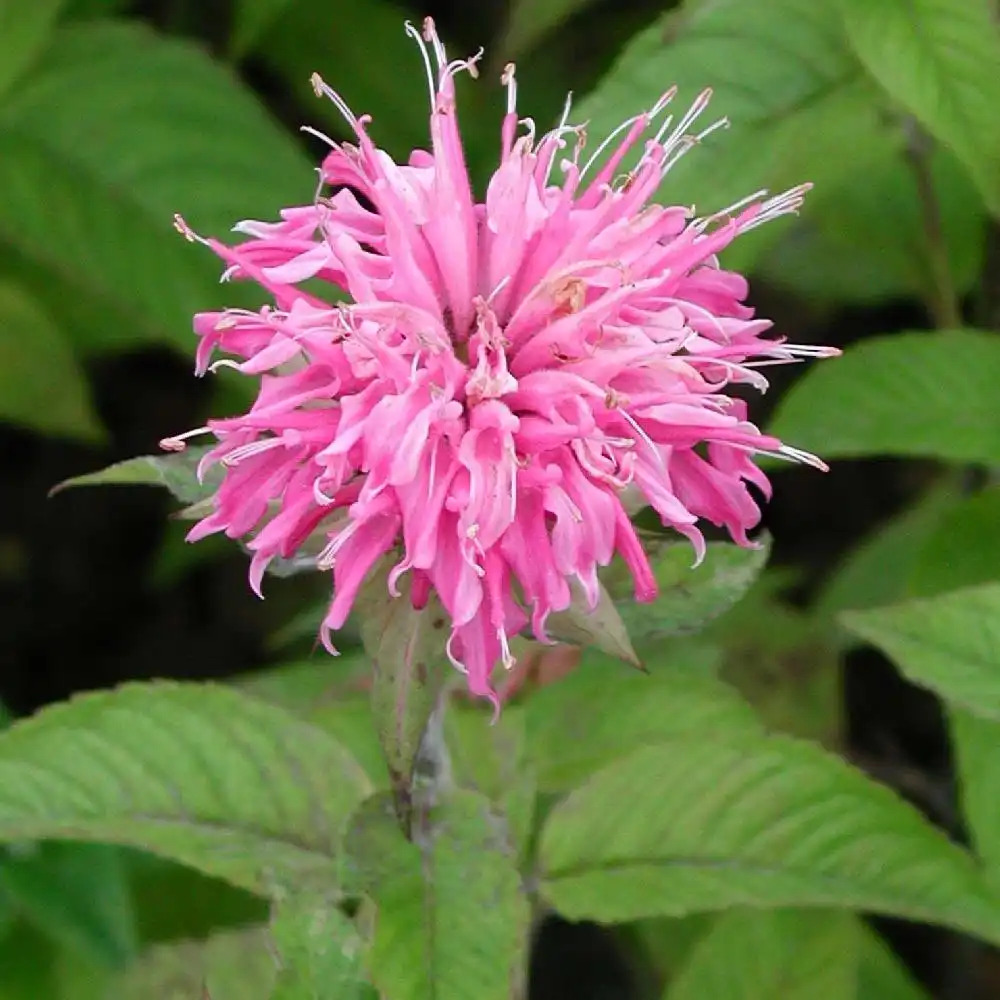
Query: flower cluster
[505,378]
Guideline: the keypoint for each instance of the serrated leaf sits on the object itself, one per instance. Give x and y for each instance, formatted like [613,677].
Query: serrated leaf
[24,27]
[198,773]
[452,919]
[919,394]
[599,713]
[689,597]
[950,644]
[963,549]
[408,660]
[939,60]
[791,954]
[42,386]
[782,75]
[699,823]
[175,471]
[600,627]
[76,893]
[184,137]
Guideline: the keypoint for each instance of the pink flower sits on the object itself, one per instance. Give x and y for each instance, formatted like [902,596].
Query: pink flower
[504,377]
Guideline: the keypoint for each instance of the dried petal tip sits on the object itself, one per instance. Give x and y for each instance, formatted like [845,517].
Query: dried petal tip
[493,383]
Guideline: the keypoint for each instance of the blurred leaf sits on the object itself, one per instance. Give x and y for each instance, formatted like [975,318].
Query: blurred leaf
[27,964]
[962,550]
[41,384]
[950,644]
[689,597]
[786,954]
[25,25]
[781,660]
[600,713]
[452,917]
[116,130]
[175,471]
[321,953]
[173,902]
[78,894]
[251,19]
[866,242]
[198,773]
[919,394]
[878,569]
[601,628]
[529,21]
[237,965]
[881,975]
[703,822]
[939,60]
[362,50]
[780,72]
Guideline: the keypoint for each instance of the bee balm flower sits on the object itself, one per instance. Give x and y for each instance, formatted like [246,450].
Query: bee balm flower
[504,377]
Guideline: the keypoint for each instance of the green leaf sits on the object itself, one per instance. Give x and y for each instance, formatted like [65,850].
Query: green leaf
[602,628]
[41,383]
[493,759]
[235,965]
[881,975]
[919,394]
[975,741]
[377,70]
[197,773]
[183,137]
[950,644]
[251,19]
[320,952]
[407,650]
[702,823]
[780,72]
[529,21]
[878,569]
[963,549]
[24,27]
[599,713]
[452,919]
[176,472]
[866,243]
[77,893]
[940,61]
[790,954]
[689,597]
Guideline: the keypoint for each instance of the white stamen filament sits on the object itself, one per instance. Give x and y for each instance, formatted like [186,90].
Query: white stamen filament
[624,127]
[323,137]
[246,451]
[328,556]
[179,441]
[786,203]
[322,89]
[508,79]
[418,38]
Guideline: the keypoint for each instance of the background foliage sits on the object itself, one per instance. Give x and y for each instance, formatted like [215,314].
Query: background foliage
[723,827]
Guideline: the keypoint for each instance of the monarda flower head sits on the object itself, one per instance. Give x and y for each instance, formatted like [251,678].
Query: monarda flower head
[506,377]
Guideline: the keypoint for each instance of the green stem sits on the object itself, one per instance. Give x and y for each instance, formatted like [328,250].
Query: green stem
[942,299]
